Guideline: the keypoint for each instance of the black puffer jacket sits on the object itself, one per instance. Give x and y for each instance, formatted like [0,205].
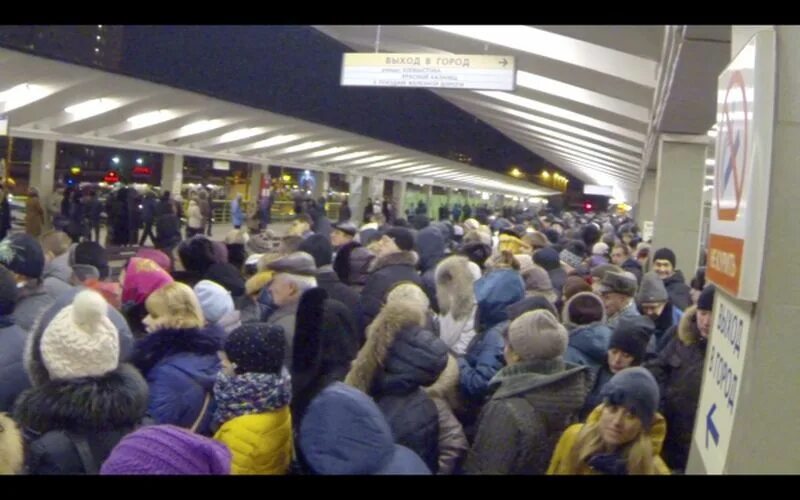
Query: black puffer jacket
[329,281]
[679,372]
[680,295]
[415,359]
[60,417]
[386,272]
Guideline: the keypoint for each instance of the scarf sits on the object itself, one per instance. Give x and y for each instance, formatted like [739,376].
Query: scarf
[249,393]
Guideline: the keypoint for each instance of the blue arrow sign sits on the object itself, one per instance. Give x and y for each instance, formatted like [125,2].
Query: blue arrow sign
[710,427]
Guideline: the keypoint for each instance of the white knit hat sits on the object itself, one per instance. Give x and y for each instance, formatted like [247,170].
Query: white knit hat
[81,341]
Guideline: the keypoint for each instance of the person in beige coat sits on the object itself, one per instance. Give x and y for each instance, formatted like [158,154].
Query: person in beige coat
[34,214]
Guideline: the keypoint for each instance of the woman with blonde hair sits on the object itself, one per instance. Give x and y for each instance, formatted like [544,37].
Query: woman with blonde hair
[178,357]
[621,436]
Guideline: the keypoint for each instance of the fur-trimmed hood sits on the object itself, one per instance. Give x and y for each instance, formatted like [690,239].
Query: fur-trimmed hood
[688,332]
[168,341]
[446,386]
[381,333]
[86,405]
[402,258]
[454,287]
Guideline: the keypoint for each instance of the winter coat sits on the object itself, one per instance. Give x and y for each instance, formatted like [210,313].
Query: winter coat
[414,358]
[168,232]
[588,345]
[457,304]
[92,414]
[326,341]
[453,444]
[56,276]
[329,281]
[34,216]
[259,434]
[632,266]
[13,378]
[237,213]
[148,209]
[32,301]
[180,367]
[628,311]
[430,247]
[5,214]
[679,372]
[195,216]
[532,404]
[670,316]
[352,263]
[599,377]
[385,273]
[494,293]
[286,317]
[680,295]
[567,441]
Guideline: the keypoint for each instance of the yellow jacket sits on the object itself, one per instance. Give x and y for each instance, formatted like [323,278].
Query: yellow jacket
[558,464]
[260,443]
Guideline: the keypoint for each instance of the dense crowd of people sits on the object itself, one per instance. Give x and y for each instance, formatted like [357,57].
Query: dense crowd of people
[517,342]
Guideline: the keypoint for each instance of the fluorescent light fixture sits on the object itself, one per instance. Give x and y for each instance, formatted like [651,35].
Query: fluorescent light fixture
[524,102]
[386,163]
[351,156]
[22,95]
[304,146]
[115,159]
[274,141]
[93,107]
[200,127]
[238,135]
[710,162]
[581,95]
[150,118]
[561,48]
[326,152]
[139,161]
[370,159]
[710,177]
[712,133]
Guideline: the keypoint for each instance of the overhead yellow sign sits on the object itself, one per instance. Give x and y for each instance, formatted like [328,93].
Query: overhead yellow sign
[428,70]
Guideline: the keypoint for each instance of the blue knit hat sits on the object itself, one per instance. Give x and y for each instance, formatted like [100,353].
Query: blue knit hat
[21,253]
[636,390]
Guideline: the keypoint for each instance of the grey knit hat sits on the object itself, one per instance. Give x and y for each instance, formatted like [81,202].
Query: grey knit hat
[651,290]
[537,335]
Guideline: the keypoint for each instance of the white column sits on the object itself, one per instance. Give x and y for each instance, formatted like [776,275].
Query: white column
[399,198]
[766,402]
[427,192]
[43,167]
[172,174]
[322,182]
[356,199]
[646,206]
[679,197]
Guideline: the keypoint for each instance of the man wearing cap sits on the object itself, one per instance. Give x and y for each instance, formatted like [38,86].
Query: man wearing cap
[23,256]
[350,258]
[679,372]
[653,302]
[664,266]
[599,272]
[395,262]
[617,291]
[294,274]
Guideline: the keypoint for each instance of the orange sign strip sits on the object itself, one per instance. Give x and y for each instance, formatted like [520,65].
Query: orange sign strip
[725,256]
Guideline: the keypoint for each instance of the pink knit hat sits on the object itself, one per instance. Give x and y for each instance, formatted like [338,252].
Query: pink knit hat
[142,277]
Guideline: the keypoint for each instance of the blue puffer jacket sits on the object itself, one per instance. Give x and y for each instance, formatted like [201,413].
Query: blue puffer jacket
[180,367]
[13,378]
[588,345]
[494,293]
